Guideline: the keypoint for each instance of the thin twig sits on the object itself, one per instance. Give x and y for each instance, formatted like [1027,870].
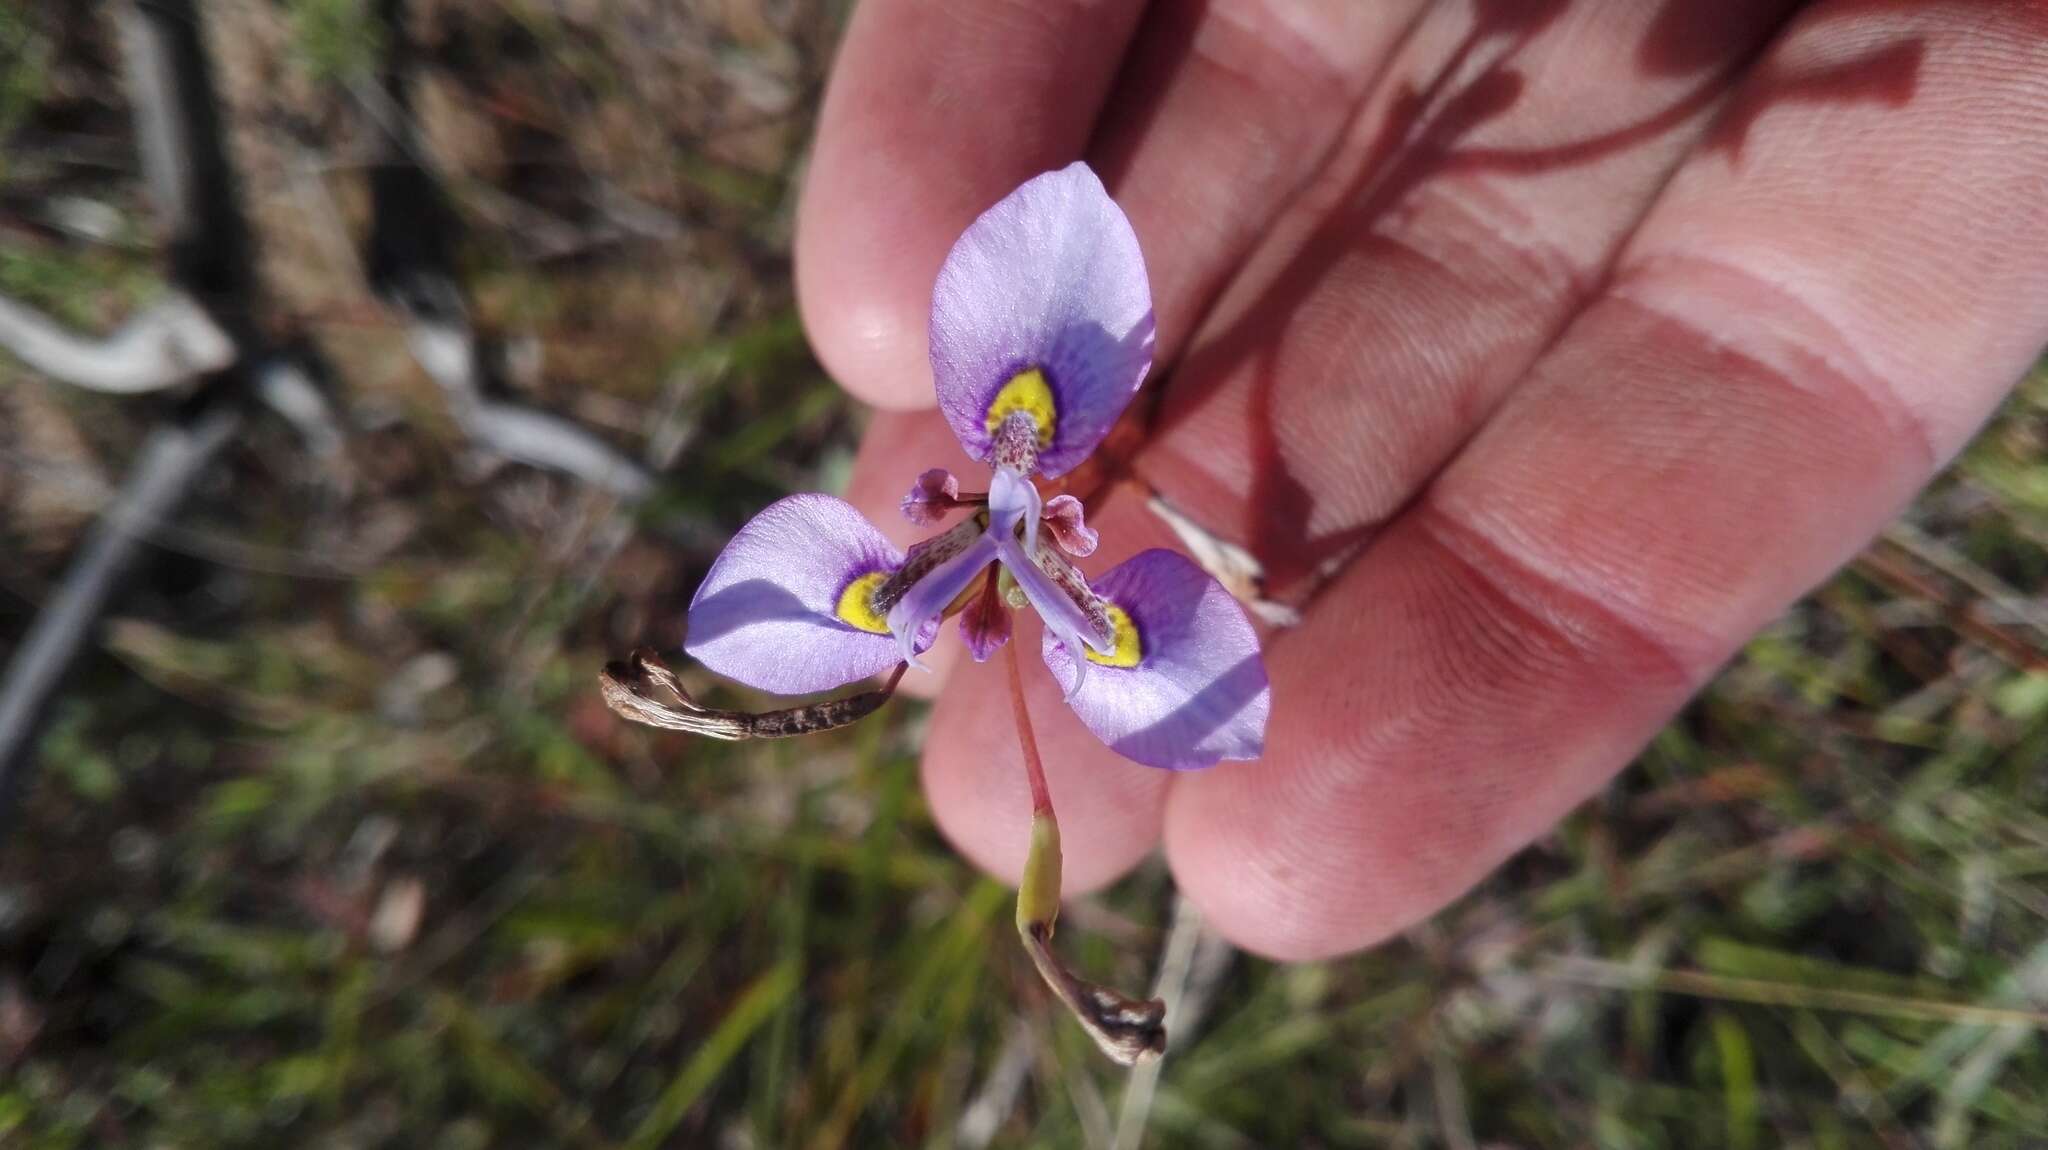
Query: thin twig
[287,388]
[1136,1109]
[535,438]
[174,456]
[179,135]
[165,344]
[997,1098]
[411,267]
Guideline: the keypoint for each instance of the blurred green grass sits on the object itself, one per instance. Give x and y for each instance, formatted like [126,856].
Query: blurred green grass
[336,846]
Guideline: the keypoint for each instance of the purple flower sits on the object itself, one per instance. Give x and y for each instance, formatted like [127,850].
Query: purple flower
[1041,332]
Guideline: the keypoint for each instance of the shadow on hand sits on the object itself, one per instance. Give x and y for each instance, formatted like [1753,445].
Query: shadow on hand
[1424,135]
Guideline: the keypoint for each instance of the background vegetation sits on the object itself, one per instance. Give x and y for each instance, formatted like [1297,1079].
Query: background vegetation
[334,845]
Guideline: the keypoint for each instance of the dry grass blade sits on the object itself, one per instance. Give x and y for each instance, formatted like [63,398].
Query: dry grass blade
[1619,976]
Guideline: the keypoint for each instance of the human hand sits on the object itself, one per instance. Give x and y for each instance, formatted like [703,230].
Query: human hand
[1541,350]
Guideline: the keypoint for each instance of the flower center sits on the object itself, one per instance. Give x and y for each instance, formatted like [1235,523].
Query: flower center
[857,604]
[1028,393]
[1128,652]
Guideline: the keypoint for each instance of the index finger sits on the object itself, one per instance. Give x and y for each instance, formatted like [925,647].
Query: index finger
[934,112]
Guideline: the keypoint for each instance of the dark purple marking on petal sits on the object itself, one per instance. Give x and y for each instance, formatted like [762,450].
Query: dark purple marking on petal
[1198,694]
[1074,586]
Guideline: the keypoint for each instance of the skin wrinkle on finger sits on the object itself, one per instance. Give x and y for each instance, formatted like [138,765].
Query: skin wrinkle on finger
[1664,443]
[1901,314]
[1477,200]
[1405,771]
[1727,305]
[1225,109]
[933,113]
[1690,456]
[1782,363]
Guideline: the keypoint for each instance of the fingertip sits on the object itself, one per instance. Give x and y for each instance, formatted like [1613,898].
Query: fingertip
[865,317]
[1257,898]
[933,112]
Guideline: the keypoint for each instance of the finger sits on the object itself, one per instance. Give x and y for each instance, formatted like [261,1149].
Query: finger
[1478,200]
[1223,111]
[1109,807]
[897,447]
[934,112]
[1830,297]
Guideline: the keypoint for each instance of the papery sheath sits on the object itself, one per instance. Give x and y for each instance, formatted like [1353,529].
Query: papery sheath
[1049,278]
[1198,694]
[766,613]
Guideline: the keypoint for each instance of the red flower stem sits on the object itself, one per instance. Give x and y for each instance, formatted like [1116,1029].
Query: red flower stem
[1034,767]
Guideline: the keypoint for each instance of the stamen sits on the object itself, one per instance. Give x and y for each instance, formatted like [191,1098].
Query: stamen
[1016,444]
[1127,647]
[1074,585]
[925,556]
[629,690]
[1130,1031]
[934,494]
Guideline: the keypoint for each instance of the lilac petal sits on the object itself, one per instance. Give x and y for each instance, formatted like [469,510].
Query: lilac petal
[1049,278]
[925,556]
[935,493]
[1065,620]
[1013,500]
[767,611]
[1068,522]
[1198,694]
[921,604]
